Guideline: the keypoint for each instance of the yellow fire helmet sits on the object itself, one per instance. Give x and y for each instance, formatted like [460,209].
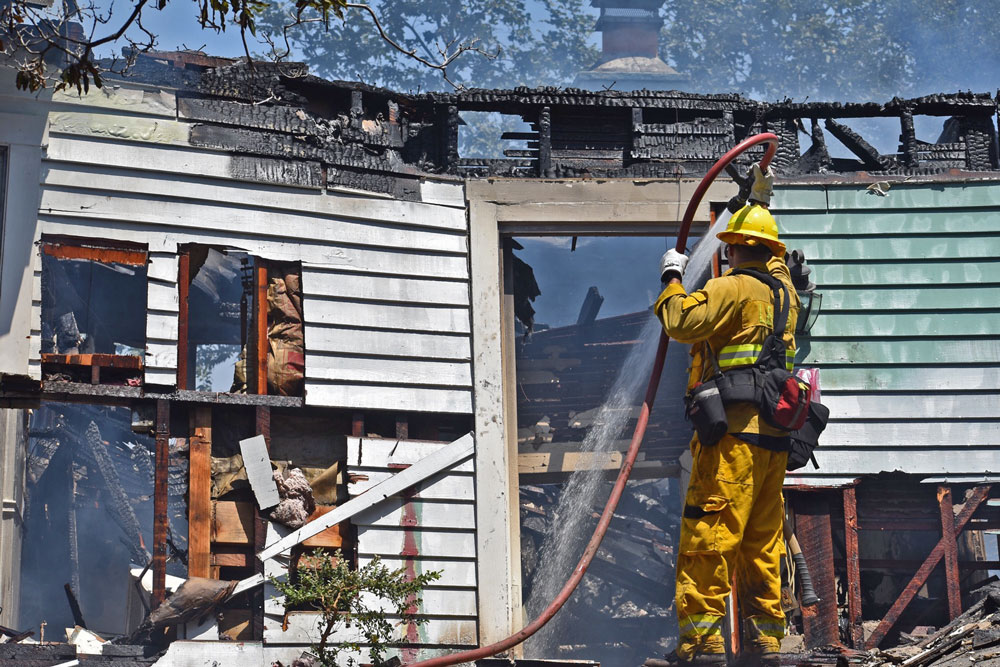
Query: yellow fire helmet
[751,225]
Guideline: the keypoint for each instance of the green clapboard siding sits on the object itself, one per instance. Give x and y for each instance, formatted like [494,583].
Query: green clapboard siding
[883,248]
[904,274]
[908,338]
[874,378]
[893,323]
[876,223]
[927,298]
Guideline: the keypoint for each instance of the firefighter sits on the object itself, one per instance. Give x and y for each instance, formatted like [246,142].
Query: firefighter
[733,510]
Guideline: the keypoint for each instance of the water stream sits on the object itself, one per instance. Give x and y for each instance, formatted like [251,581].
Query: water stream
[572,521]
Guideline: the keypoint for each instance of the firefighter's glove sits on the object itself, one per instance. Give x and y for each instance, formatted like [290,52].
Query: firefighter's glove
[763,184]
[672,265]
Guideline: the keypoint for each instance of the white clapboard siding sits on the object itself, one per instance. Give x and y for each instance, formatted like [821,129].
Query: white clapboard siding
[386,282]
[445,631]
[454,573]
[389,397]
[429,513]
[313,251]
[435,319]
[385,343]
[135,168]
[911,435]
[181,214]
[912,406]
[391,542]
[319,282]
[162,296]
[444,486]
[415,530]
[389,453]
[341,368]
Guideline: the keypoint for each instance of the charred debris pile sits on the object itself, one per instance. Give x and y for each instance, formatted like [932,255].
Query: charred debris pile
[285,125]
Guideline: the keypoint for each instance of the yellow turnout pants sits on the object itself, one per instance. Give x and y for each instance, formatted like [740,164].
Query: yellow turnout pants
[733,520]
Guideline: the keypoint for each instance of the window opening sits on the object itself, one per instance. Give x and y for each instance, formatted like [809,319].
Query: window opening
[88,518]
[585,339]
[239,308]
[93,315]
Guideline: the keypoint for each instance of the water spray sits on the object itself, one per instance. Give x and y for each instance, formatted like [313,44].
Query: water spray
[633,451]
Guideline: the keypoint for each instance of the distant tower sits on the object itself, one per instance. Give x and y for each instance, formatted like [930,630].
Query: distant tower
[630,59]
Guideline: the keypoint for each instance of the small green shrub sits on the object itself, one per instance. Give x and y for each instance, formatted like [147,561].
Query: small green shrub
[330,586]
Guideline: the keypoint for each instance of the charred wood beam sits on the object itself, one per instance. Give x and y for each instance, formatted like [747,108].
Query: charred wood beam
[119,505]
[71,532]
[817,157]
[544,141]
[160,502]
[857,145]
[262,420]
[908,139]
[974,498]
[74,606]
[813,529]
[854,614]
[952,581]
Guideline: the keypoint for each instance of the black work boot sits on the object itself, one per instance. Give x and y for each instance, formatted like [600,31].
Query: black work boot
[699,660]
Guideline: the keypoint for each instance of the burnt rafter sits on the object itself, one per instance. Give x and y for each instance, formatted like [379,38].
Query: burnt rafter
[315,132]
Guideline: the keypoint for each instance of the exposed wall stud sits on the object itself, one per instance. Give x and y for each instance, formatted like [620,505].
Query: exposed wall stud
[853,568]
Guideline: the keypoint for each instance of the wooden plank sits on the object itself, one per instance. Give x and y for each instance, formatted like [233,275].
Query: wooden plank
[933,298]
[161,353]
[929,378]
[386,343]
[432,543]
[162,296]
[969,463]
[900,406]
[181,215]
[317,282]
[394,454]
[948,541]
[163,323]
[260,339]
[904,274]
[119,101]
[925,434]
[123,128]
[230,555]
[330,538]
[922,352]
[257,463]
[901,248]
[346,258]
[302,629]
[106,255]
[200,517]
[454,573]
[232,522]
[161,522]
[390,397]
[347,369]
[118,172]
[910,196]
[162,266]
[429,513]
[444,486]
[183,318]
[444,194]
[436,319]
[854,615]
[160,376]
[568,462]
[456,452]
[936,221]
[893,324]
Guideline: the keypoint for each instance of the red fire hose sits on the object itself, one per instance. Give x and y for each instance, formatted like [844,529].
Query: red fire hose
[633,450]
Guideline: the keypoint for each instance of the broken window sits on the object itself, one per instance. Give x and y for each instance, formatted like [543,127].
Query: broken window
[88,524]
[93,315]
[236,308]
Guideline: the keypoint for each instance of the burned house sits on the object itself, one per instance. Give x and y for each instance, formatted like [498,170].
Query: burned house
[207,266]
